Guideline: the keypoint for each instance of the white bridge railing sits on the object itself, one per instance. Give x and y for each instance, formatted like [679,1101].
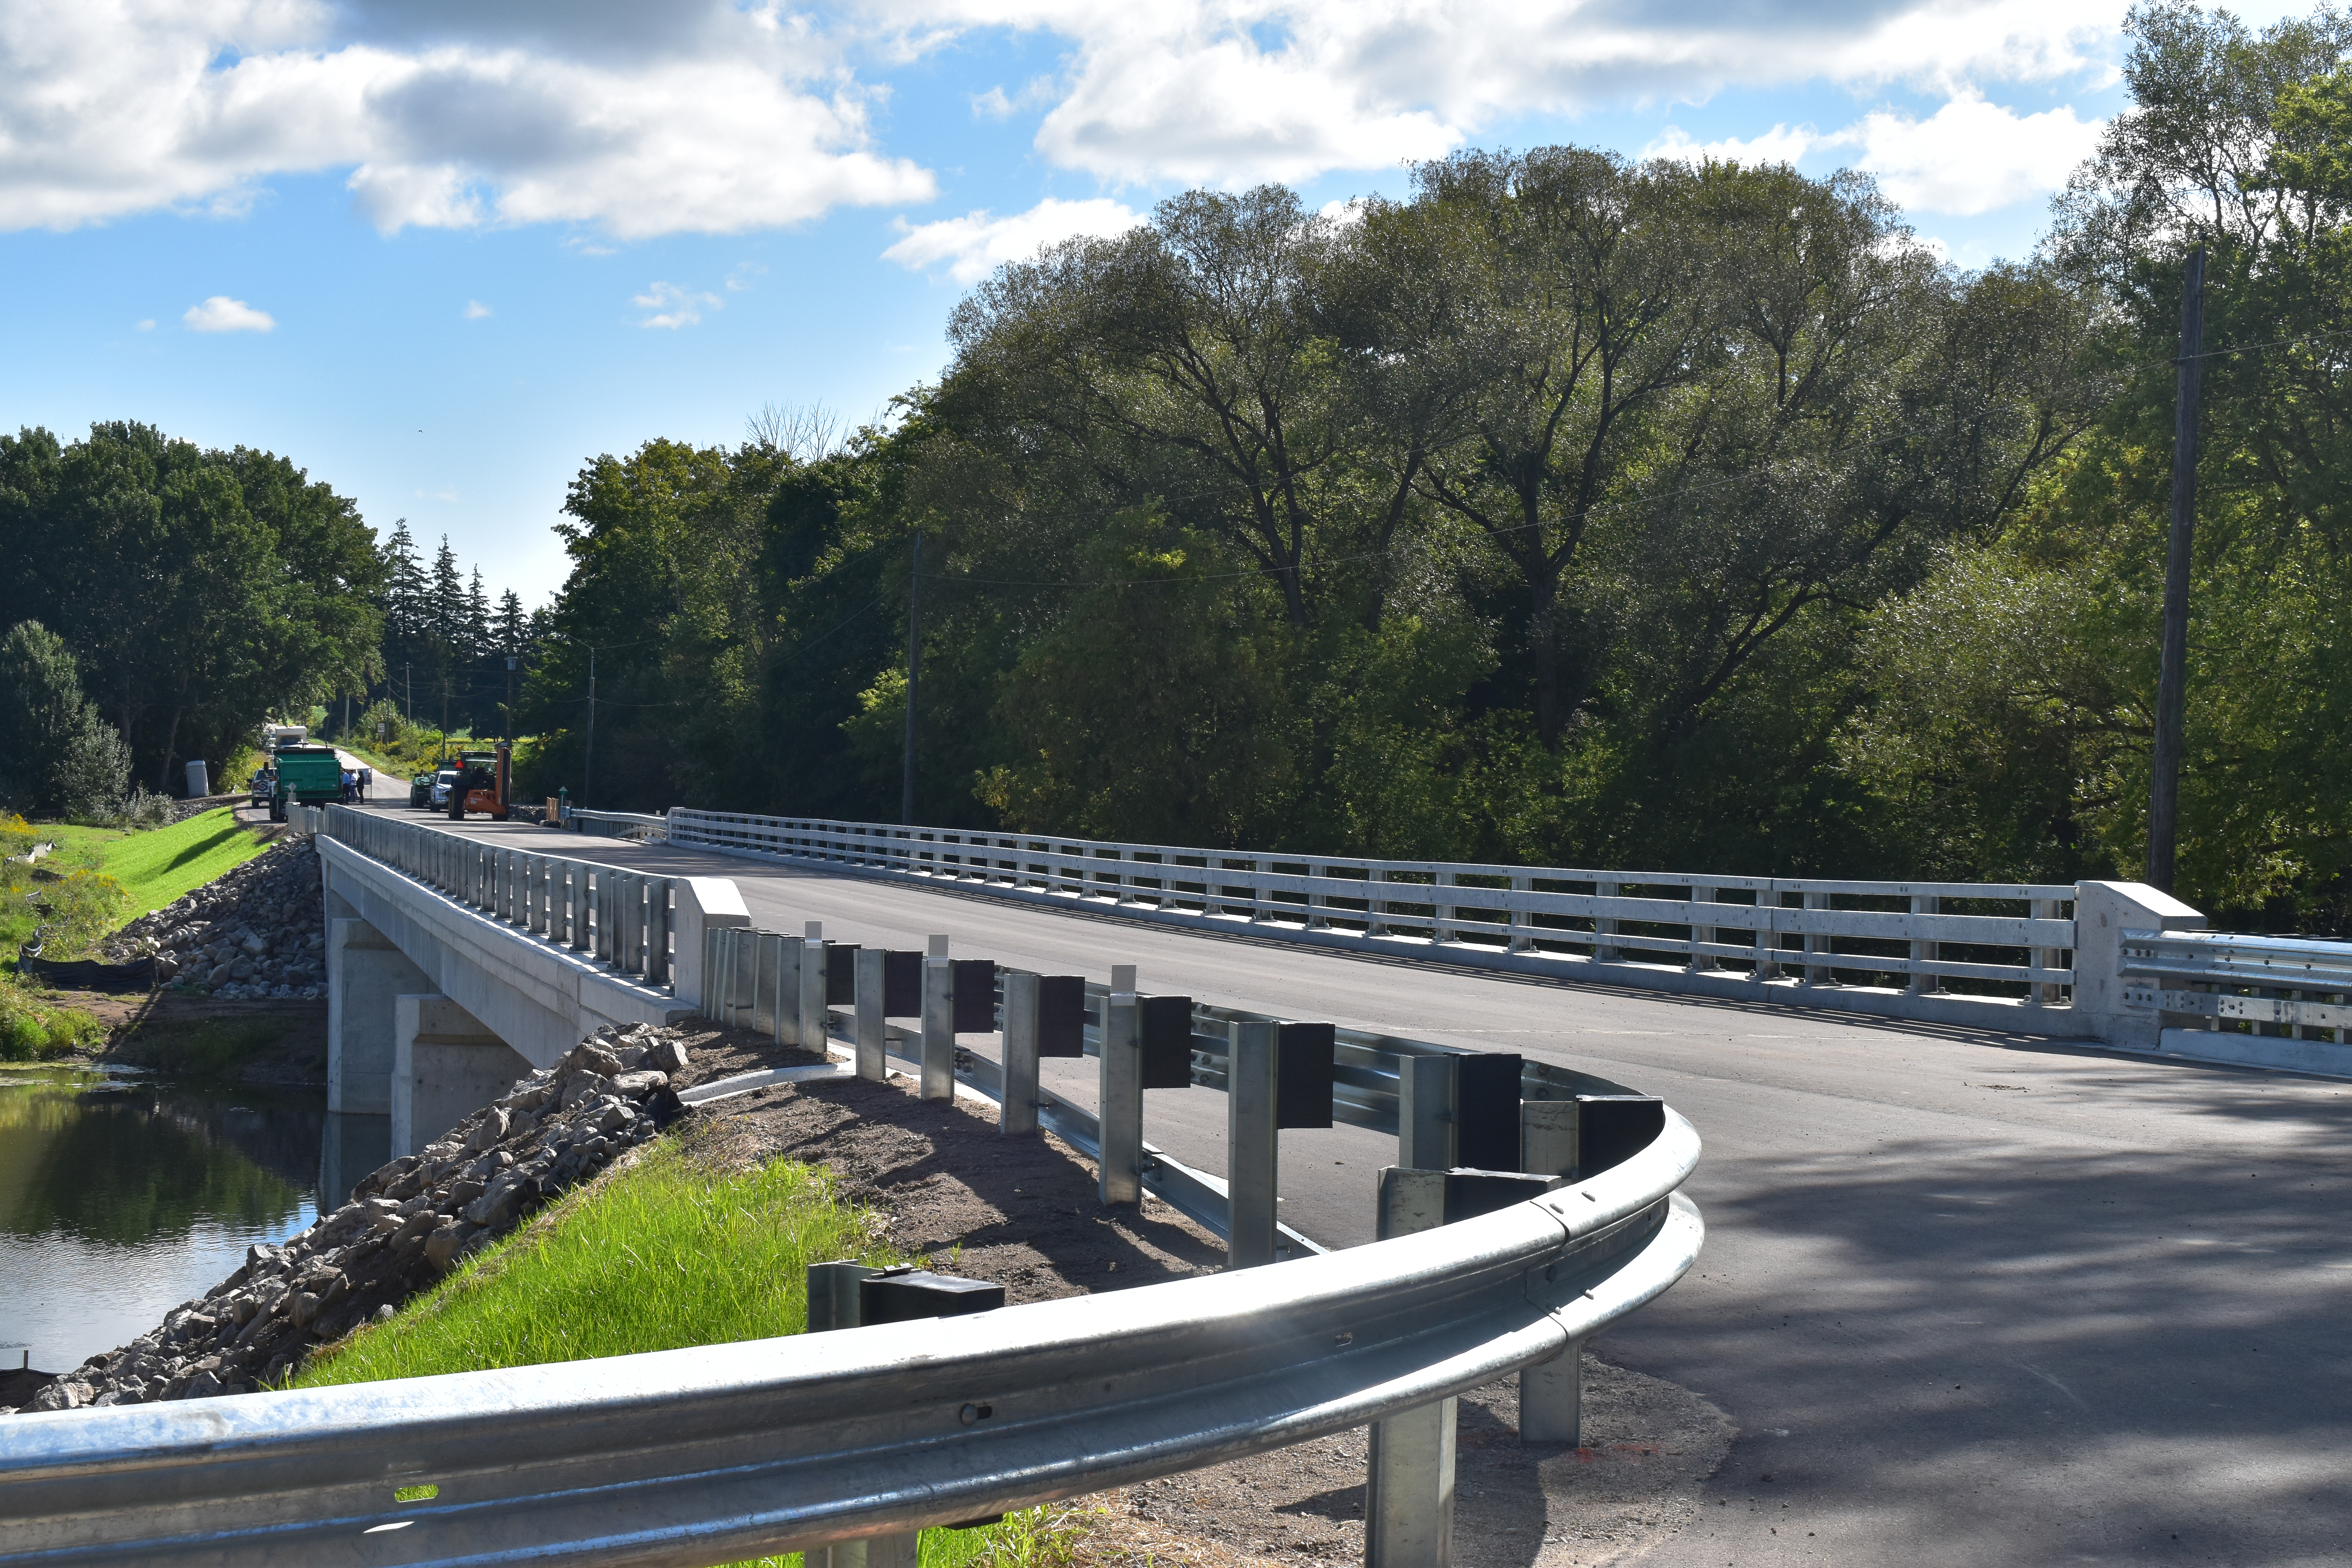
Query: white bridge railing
[2002,946]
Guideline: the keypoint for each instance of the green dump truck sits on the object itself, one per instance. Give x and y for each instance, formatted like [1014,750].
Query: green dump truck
[307,775]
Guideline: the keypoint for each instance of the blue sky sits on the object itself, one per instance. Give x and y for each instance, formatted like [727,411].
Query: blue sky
[440,253]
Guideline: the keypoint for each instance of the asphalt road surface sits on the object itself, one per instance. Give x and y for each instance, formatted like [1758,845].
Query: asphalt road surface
[1972,1298]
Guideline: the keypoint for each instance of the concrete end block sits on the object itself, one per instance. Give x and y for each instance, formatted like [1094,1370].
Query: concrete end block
[2102,912]
[704,904]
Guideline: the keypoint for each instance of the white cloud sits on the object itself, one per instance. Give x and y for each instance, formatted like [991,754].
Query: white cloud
[1966,158]
[1971,156]
[1231,91]
[722,116]
[1778,145]
[973,246]
[475,310]
[147,325]
[674,307]
[222,314]
[720,119]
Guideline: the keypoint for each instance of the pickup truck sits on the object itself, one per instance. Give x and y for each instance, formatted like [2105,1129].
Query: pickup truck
[264,783]
[307,775]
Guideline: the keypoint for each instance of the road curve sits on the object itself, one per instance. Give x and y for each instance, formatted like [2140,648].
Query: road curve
[1972,1298]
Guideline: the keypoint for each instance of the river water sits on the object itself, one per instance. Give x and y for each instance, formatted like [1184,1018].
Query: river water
[123,1194]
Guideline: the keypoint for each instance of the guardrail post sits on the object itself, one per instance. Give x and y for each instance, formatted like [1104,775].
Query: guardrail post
[833,1303]
[1923,983]
[659,927]
[1253,1143]
[1814,973]
[810,1034]
[1551,1394]
[775,984]
[1426,1095]
[939,1022]
[1409,1486]
[629,924]
[873,1028]
[1120,1097]
[2044,993]
[1603,928]
[1019,1106]
[1702,962]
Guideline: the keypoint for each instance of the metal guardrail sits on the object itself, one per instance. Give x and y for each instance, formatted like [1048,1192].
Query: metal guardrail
[2297,987]
[618,823]
[621,918]
[693,1457]
[1805,931]
[752,982]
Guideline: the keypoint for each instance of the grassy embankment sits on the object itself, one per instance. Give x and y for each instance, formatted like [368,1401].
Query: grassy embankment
[677,1249]
[98,878]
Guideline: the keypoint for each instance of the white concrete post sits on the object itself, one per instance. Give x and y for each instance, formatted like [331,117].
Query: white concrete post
[1253,1144]
[446,1066]
[1120,1096]
[1409,1490]
[1019,1054]
[2102,912]
[1523,924]
[939,1022]
[811,1034]
[705,904]
[873,1028]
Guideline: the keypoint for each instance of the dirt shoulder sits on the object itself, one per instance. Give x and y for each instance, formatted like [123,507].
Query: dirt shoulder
[1023,1213]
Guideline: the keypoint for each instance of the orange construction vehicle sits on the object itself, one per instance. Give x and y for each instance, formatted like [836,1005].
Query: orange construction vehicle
[482,785]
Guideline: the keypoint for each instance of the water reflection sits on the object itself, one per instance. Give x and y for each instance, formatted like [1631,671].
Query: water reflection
[121,1197]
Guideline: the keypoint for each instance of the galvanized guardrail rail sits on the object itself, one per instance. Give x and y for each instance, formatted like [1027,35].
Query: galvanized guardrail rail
[1796,931]
[2287,987]
[693,1457]
[621,918]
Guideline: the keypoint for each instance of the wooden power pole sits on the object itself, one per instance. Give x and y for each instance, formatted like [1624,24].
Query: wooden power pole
[2171,685]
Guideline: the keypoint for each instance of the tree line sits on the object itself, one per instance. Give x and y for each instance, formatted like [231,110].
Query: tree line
[1571,509]
[186,593]
[160,601]
[446,641]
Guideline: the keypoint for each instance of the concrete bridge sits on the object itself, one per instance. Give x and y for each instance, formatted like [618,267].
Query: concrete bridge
[1971,1294]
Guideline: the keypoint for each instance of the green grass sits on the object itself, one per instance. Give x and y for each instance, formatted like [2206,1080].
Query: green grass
[32,1030]
[161,863]
[676,1250]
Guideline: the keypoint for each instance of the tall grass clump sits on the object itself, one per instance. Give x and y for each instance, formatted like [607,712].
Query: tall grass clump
[675,1250]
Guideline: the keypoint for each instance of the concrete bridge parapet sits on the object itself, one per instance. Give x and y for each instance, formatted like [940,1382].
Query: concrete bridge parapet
[435,1007]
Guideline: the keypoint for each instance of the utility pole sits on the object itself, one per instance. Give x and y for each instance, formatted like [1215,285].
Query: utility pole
[510,675]
[914,673]
[588,767]
[2171,685]
[408,682]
